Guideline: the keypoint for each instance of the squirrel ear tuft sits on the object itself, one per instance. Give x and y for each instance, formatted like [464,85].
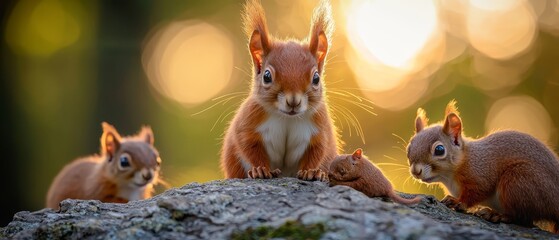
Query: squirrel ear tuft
[146,134]
[453,128]
[451,108]
[256,29]
[321,31]
[110,140]
[421,120]
[357,154]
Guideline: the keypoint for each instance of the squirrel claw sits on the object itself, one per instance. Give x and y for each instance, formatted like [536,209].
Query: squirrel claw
[491,215]
[276,173]
[260,173]
[312,175]
[453,203]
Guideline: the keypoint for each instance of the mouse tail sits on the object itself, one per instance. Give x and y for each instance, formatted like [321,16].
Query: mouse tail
[396,198]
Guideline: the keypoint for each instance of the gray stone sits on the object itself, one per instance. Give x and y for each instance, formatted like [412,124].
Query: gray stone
[218,209]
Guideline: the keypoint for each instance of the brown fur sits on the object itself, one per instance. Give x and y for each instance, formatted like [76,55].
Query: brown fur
[511,172]
[292,65]
[356,171]
[100,177]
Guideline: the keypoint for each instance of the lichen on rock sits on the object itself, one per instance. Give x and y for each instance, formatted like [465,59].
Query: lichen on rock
[243,208]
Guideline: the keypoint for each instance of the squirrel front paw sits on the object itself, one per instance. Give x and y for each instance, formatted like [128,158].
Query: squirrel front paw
[263,173]
[453,203]
[312,175]
[491,215]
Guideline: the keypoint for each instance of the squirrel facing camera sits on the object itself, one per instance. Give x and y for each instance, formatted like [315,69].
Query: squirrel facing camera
[511,174]
[126,170]
[283,127]
[356,171]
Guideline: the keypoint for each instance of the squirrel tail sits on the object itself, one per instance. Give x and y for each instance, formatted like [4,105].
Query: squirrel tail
[396,198]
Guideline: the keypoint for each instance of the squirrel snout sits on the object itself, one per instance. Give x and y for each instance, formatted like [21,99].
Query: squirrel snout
[147,176]
[416,170]
[293,103]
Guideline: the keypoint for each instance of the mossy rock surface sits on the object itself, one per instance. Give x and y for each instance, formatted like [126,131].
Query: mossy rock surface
[283,208]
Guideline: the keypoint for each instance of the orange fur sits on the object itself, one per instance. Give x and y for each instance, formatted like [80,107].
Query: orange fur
[290,106]
[102,177]
[511,172]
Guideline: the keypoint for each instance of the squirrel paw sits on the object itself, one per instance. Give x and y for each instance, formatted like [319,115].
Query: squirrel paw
[491,215]
[263,173]
[312,175]
[453,203]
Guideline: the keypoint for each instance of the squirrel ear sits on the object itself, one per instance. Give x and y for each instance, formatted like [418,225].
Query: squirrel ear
[321,31]
[110,140]
[421,120]
[257,31]
[357,154]
[453,128]
[146,134]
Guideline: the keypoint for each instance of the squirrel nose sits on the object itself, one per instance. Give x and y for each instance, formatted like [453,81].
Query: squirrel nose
[292,104]
[147,176]
[416,171]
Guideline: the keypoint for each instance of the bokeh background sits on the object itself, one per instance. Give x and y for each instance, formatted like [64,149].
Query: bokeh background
[183,68]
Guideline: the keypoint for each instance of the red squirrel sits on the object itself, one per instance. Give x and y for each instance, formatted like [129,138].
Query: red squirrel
[512,173]
[126,170]
[284,126]
[356,171]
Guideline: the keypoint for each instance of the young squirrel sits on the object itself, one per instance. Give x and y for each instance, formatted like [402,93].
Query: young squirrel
[356,171]
[126,170]
[283,127]
[512,173]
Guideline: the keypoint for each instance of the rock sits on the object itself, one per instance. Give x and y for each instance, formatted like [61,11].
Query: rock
[247,208]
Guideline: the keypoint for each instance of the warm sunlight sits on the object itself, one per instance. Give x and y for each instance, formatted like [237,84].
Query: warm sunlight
[393,32]
[189,62]
[395,46]
[522,113]
[501,29]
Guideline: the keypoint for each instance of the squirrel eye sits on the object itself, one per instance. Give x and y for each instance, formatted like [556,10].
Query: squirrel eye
[315,78]
[124,161]
[439,150]
[267,77]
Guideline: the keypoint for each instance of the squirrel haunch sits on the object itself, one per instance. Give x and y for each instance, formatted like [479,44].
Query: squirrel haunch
[283,127]
[512,173]
[126,170]
[356,171]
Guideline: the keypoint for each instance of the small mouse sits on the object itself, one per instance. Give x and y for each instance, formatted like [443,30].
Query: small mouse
[126,170]
[284,125]
[356,171]
[512,174]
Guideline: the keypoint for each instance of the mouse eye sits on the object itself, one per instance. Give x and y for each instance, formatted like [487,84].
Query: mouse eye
[267,77]
[439,150]
[315,78]
[124,161]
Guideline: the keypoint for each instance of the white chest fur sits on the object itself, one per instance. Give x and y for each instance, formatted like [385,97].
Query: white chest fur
[286,140]
[451,186]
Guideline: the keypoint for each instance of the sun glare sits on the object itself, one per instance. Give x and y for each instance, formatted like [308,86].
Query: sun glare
[394,32]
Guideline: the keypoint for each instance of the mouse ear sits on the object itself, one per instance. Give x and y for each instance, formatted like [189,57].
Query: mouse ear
[321,31]
[146,134]
[110,140]
[255,27]
[453,128]
[421,120]
[357,154]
